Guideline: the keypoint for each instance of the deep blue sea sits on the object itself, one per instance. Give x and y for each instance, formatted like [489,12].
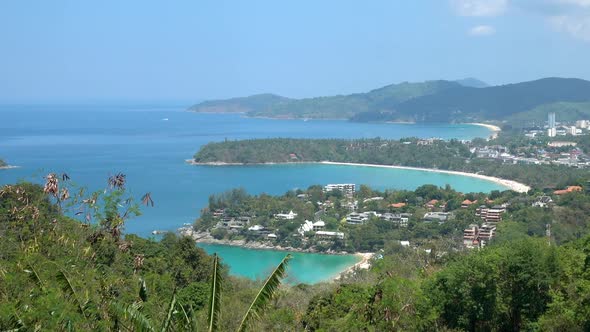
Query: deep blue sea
[151,143]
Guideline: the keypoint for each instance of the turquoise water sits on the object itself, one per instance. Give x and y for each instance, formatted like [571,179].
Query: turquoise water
[303,267]
[92,142]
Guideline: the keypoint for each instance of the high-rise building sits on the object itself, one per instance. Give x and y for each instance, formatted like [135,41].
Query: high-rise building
[551,120]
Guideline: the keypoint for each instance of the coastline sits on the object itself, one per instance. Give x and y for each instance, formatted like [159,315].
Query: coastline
[513,185]
[363,263]
[9,167]
[205,237]
[495,129]
[510,184]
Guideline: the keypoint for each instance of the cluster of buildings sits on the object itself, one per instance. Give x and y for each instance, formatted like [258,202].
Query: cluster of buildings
[348,189]
[553,129]
[575,157]
[476,236]
[360,218]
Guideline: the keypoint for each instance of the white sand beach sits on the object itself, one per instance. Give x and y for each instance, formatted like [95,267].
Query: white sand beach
[495,129]
[513,185]
[363,264]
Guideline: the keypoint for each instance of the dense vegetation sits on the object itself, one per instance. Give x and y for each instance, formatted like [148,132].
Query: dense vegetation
[323,107]
[569,217]
[432,101]
[444,155]
[2,163]
[57,273]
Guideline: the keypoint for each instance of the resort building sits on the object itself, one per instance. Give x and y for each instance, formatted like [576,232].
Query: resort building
[543,202]
[490,215]
[467,203]
[569,189]
[347,189]
[436,216]
[357,218]
[478,237]
[329,235]
[286,216]
[309,226]
[401,219]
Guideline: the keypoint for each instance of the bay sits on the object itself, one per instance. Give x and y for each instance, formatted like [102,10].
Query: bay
[303,268]
[151,143]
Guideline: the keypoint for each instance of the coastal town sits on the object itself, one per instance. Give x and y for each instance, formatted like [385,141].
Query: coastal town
[339,218]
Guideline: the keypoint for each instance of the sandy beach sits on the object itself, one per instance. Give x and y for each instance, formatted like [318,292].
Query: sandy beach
[510,184]
[513,185]
[363,264]
[495,129]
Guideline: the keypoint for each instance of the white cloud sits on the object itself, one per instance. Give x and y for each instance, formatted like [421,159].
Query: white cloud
[482,30]
[576,26]
[579,3]
[568,16]
[479,7]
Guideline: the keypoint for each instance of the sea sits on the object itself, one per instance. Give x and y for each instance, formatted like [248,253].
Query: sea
[151,143]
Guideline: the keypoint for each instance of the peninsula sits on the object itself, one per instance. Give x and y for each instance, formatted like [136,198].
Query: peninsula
[518,104]
[430,154]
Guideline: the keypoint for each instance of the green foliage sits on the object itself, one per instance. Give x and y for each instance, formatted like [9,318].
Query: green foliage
[215,296]
[343,106]
[3,163]
[266,293]
[433,101]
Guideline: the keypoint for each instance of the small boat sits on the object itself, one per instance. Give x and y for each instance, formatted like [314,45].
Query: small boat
[165,119]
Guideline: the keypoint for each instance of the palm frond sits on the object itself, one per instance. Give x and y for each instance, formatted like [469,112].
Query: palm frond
[166,324]
[68,288]
[132,314]
[15,323]
[143,292]
[190,318]
[34,277]
[215,296]
[265,294]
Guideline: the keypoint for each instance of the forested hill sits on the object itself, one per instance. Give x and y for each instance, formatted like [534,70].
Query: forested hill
[443,155]
[2,163]
[430,101]
[341,106]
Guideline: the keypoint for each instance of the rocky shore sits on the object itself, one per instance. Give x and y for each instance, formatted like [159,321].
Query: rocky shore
[205,237]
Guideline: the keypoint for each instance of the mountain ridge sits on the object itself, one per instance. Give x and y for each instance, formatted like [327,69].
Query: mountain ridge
[429,101]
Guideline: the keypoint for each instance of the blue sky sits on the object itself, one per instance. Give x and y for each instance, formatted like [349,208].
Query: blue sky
[83,51]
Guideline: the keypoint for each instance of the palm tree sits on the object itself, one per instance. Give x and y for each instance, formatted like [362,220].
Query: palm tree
[259,304]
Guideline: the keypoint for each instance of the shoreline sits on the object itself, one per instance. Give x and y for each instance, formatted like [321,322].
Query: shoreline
[513,185]
[205,237]
[493,128]
[363,263]
[510,184]
[9,167]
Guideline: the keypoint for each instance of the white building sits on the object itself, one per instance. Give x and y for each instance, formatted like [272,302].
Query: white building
[347,189]
[309,226]
[330,235]
[286,216]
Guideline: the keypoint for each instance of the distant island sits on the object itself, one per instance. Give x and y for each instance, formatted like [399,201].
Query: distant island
[467,100]
[2,163]
[431,154]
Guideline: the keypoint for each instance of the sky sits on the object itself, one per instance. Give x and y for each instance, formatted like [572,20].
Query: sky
[147,50]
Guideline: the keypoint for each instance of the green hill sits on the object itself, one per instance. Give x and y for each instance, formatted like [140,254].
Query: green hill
[2,163]
[431,101]
[335,107]
[493,103]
